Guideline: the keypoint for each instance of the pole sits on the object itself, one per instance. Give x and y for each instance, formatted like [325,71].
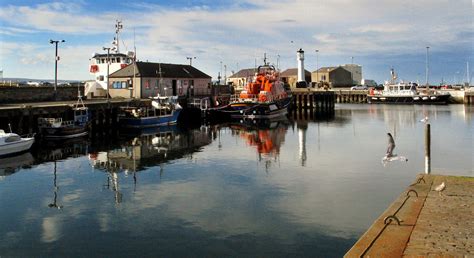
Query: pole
[108,64]
[427,66]
[56,58]
[427,149]
[317,72]
[55,69]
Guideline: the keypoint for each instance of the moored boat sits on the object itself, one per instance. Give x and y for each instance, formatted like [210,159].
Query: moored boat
[164,111]
[264,97]
[406,93]
[57,128]
[12,143]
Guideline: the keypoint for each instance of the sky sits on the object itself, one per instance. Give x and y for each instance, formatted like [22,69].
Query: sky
[229,35]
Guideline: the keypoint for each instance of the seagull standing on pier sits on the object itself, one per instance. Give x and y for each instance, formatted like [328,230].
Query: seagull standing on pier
[440,188]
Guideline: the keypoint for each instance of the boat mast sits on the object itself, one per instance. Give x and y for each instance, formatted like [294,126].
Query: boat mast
[116,43]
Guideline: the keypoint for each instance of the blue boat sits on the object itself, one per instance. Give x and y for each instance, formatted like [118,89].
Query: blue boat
[163,111]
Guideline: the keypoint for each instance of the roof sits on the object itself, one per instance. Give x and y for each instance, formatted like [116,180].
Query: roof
[293,72]
[326,69]
[146,69]
[249,72]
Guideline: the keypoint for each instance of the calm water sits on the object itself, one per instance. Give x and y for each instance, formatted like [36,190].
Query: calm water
[289,188]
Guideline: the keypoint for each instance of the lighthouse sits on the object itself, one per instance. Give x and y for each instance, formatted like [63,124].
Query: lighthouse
[301,82]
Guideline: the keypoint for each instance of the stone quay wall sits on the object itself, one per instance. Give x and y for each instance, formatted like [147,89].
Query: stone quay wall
[26,94]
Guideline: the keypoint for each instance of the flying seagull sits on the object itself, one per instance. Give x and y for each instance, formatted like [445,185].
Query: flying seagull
[391,146]
[440,188]
[389,156]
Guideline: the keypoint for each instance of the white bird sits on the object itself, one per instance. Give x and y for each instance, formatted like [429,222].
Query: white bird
[424,120]
[390,147]
[440,188]
[389,156]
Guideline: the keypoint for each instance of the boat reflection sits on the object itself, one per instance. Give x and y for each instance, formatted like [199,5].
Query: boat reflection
[10,165]
[267,136]
[47,151]
[149,149]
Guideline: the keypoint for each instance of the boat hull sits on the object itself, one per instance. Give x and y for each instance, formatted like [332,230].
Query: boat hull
[150,121]
[415,99]
[14,148]
[259,110]
[64,132]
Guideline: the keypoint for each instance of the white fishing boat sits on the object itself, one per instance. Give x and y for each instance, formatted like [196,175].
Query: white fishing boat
[103,64]
[406,93]
[12,143]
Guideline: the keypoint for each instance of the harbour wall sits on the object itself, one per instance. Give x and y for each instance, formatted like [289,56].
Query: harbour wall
[38,94]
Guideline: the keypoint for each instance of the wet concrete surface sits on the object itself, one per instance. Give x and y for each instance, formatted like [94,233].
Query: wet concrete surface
[439,224]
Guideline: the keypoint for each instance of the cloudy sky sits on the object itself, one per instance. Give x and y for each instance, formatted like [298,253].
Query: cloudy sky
[377,34]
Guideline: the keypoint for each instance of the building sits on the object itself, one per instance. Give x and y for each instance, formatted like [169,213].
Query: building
[335,76]
[241,78]
[290,76]
[356,72]
[144,79]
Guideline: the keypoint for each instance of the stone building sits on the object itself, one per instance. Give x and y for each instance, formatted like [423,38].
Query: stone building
[356,72]
[335,76]
[290,76]
[241,78]
[145,79]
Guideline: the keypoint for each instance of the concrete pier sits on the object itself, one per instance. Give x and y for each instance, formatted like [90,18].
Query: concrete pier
[422,222]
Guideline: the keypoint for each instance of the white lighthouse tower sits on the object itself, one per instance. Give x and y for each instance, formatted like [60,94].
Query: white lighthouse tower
[301,82]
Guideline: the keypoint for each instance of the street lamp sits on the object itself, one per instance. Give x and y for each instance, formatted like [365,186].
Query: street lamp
[56,59]
[317,72]
[108,64]
[427,65]
[191,60]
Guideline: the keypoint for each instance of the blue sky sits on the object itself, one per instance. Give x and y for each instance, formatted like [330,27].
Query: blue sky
[378,34]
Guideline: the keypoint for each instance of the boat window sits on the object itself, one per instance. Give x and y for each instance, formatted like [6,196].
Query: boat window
[13,138]
[100,78]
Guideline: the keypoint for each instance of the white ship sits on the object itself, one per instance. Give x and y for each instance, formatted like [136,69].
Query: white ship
[103,64]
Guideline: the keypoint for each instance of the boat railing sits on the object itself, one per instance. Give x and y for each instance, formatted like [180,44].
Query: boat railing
[247,98]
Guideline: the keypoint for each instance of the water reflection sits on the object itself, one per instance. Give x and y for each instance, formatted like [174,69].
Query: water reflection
[201,188]
[266,136]
[10,165]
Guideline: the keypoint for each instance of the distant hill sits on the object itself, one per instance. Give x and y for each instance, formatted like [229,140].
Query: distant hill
[7,79]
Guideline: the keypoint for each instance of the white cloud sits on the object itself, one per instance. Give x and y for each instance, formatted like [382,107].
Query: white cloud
[239,34]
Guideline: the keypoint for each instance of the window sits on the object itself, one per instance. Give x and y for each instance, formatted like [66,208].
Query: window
[100,78]
[157,84]
[147,84]
[119,85]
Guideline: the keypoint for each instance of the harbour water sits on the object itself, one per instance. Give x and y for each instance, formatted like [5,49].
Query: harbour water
[287,188]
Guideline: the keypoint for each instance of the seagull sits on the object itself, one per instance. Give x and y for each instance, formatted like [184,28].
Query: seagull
[389,156]
[424,120]
[391,146]
[440,188]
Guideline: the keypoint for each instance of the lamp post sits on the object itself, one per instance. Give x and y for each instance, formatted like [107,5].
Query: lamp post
[108,64]
[427,66]
[191,60]
[317,72]
[56,59]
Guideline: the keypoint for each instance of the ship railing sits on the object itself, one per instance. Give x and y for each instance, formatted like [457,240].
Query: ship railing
[248,98]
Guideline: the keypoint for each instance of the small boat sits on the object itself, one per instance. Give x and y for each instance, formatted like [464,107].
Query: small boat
[263,98]
[12,143]
[406,93]
[57,128]
[163,111]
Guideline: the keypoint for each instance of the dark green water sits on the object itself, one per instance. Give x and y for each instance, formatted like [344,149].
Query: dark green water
[289,188]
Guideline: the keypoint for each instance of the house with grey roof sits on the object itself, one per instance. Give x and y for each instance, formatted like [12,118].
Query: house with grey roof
[145,79]
[241,78]
[334,76]
[290,76]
